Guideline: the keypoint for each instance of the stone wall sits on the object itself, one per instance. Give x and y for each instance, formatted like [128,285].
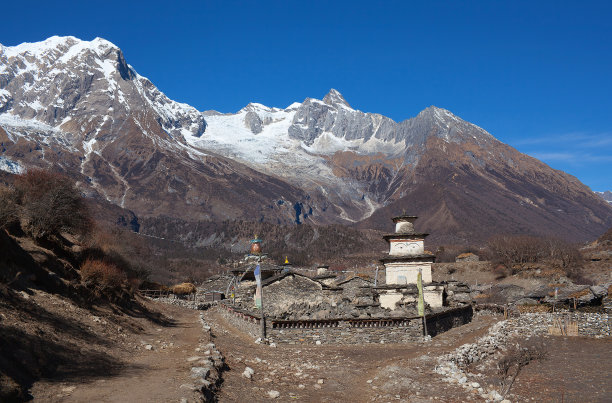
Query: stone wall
[243,321]
[281,294]
[208,368]
[355,288]
[442,321]
[347,331]
[589,324]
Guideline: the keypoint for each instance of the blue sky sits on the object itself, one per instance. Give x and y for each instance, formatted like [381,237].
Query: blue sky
[536,75]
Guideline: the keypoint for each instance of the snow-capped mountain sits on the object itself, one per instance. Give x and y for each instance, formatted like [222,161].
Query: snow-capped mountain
[606,195]
[79,107]
[311,138]
[61,81]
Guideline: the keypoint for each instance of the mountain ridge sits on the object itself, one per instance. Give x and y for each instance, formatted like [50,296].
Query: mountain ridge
[80,107]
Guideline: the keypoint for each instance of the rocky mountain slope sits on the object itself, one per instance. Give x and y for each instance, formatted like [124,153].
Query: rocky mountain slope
[78,106]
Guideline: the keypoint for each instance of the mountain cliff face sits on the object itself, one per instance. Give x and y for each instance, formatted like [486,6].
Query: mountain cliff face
[78,106]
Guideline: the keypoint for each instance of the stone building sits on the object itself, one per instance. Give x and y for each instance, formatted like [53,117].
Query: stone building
[357,289]
[289,295]
[325,276]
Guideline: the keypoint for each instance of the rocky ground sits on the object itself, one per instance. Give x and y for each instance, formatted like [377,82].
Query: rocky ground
[331,373]
[459,365]
[169,354]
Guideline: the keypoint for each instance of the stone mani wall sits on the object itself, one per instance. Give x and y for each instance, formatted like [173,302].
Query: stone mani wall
[345,333]
[348,331]
[279,295]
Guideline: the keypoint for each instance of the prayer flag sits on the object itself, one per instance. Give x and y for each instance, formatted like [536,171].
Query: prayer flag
[258,291]
[421,302]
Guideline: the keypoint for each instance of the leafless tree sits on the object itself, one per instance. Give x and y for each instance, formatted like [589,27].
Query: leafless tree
[9,211]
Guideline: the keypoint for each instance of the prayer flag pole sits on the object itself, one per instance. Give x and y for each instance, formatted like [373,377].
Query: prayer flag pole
[421,301]
[259,299]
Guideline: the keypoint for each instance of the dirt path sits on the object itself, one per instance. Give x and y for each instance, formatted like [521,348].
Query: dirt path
[332,373]
[154,375]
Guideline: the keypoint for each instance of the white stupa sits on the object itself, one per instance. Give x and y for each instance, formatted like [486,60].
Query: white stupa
[407,254]
[406,258]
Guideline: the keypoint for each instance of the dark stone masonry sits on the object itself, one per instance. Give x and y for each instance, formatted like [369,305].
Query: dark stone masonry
[347,331]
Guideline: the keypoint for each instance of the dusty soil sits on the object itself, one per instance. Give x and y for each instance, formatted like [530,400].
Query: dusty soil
[576,369]
[101,354]
[146,375]
[331,373]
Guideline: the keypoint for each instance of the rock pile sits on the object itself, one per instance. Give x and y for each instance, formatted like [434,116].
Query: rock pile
[198,305]
[208,365]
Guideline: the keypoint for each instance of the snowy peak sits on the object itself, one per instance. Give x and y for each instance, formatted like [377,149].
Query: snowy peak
[334,98]
[67,83]
[58,48]
[440,115]
[441,123]
[257,107]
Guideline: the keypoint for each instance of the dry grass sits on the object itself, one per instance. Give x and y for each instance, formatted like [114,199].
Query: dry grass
[183,289]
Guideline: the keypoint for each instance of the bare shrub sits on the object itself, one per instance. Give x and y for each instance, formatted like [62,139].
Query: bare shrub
[119,248]
[515,359]
[102,274]
[500,271]
[446,254]
[566,253]
[50,204]
[577,275]
[449,253]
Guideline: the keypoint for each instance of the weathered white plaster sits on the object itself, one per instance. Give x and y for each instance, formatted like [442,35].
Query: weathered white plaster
[389,299]
[433,295]
[406,247]
[409,270]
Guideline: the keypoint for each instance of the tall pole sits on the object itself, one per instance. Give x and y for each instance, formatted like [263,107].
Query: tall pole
[421,301]
[263,318]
